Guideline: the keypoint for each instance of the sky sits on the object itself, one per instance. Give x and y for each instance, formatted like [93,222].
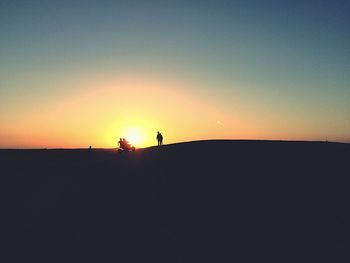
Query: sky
[79,73]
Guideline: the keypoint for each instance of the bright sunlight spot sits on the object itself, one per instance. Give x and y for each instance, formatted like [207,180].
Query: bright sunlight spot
[136,136]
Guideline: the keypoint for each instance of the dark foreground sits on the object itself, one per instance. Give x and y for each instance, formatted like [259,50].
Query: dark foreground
[210,201]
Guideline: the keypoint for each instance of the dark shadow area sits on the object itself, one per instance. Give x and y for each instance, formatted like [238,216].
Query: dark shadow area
[206,201]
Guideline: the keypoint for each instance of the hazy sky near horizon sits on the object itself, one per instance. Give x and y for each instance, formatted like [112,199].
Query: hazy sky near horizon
[79,73]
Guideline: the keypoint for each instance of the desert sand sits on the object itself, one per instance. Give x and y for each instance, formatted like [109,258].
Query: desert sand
[204,201]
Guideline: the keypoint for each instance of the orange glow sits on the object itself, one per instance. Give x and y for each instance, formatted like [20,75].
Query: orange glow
[100,110]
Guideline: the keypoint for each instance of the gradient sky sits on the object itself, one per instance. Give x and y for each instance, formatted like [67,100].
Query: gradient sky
[79,73]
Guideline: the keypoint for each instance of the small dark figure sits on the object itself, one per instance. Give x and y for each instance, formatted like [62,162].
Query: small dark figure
[126,144]
[90,147]
[120,143]
[159,138]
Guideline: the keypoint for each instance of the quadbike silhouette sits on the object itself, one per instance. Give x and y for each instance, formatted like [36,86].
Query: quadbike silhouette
[126,147]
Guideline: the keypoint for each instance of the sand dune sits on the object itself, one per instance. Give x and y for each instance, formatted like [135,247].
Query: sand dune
[205,201]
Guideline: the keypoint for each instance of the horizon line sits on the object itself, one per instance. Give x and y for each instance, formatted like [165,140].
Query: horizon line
[182,142]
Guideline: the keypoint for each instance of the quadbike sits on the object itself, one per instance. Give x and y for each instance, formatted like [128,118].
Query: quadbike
[126,148]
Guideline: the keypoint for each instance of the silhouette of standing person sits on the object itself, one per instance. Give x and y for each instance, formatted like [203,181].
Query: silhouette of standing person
[120,143]
[159,138]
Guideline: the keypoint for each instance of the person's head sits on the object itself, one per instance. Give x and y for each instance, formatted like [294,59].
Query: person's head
[158,132]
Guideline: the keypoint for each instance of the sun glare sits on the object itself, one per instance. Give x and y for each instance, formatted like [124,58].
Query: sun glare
[135,136]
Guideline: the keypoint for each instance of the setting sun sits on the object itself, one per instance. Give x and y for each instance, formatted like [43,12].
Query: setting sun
[136,136]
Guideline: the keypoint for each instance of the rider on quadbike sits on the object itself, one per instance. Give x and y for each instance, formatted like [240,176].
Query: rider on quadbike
[125,146]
